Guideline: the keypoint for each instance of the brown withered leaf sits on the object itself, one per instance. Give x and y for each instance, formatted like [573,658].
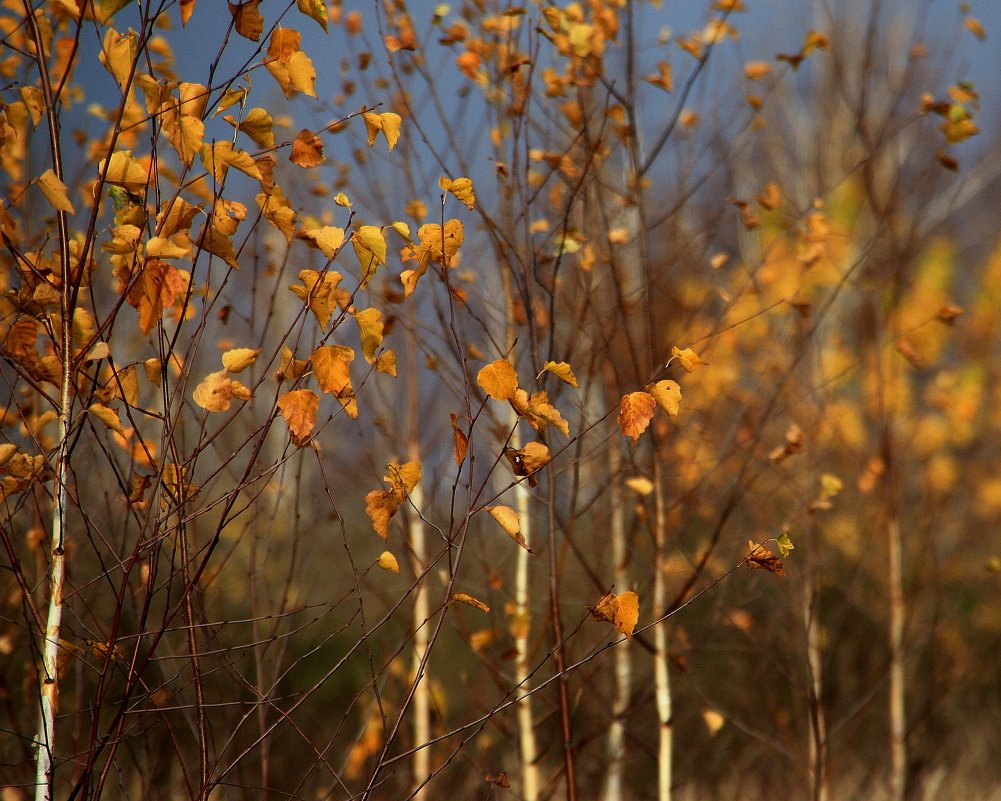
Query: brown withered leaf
[459,440]
[307,149]
[500,780]
[793,444]
[760,558]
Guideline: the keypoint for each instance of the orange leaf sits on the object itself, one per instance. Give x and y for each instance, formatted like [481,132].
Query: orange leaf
[459,439]
[380,506]
[307,149]
[498,379]
[635,412]
[215,392]
[622,611]
[247,19]
[299,408]
[465,598]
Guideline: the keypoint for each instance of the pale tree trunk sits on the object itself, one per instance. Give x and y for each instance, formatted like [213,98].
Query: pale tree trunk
[615,748]
[662,676]
[898,716]
[417,542]
[48,680]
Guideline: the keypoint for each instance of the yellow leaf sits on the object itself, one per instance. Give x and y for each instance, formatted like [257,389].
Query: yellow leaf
[320,292]
[640,485]
[108,416]
[162,248]
[126,172]
[55,191]
[388,122]
[342,200]
[370,328]
[328,239]
[317,11]
[220,156]
[257,124]
[756,70]
[236,360]
[622,611]
[380,506]
[465,598]
[714,721]
[370,248]
[538,411]
[388,562]
[299,408]
[118,53]
[562,371]
[385,362]
[332,368]
[176,218]
[462,188]
[215,392]
[668,394]
[508,520]
[290,66]
[276,209]
[403,478]
[402,229]
[689,359]
[498,379]
[635,412]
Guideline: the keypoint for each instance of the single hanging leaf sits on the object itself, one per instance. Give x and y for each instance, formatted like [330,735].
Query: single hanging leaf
[689,359]
[388,562]
[622,611]
[247,19]
[236,360]
[370,329]
[461,188]
[785,544]
[370,248]
[257,124]
[562,371]
[460,441]
[307,149]
[380,506]
[468,599]
[331,366]
[126,172]
[528,461]
[55,191]
[667,393]
[299,408]
[276,209]
[320,292]
[108,416]
[498,379]
[316,10]
[328,239]
[508,520]
[635,412]
[760,558]
[215,392]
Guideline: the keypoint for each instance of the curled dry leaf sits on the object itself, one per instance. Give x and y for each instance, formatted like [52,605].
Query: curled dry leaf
[760,558]
[461,188]
[689,359]
[622,611]
[508,520]
[562,371]
[459,439]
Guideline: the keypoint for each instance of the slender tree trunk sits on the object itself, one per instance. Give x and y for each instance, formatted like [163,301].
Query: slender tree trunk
[615,748]
[662,676]
[898,716]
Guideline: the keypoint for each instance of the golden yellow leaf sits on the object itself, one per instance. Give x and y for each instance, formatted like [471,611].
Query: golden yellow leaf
[218,157]
[342,200]
[236,360]
[640,485]
[635,413]
[689,359]
[756,70]
[55,191]
[538,411]
[108,416]
[175,218]
[402,229]
[628,613]
[186,134]
[435,245]
[315,9]
[118,52]
[157,287]
[215,392]
[328,239]
[388,562]
[664,77]
[320,292]
[402,478]
[307,149]
[387,122]
[562,371]
[7,451]
[332,368]
[126,172]
[290,66]
[380,506]
[299,408]
[498,379]
[370,330]
[257,123]
[667,393]
[177,247]
[385,362]
[461,188]
[975,26]
[770,197]
[508,520]
[276,209]
[370,248]
[247,19]
[714,721]
[468,599]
